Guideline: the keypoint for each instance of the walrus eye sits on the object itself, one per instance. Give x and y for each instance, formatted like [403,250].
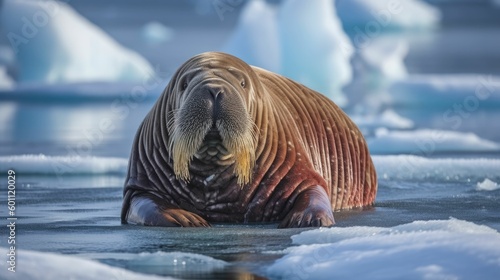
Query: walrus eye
[184,86]
[243,84]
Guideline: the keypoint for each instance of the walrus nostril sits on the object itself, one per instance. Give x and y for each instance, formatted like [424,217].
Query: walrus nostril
[215,92]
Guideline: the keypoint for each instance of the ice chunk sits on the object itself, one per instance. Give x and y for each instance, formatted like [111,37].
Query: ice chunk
[416,168]
[55,44]
[63,165]
[448,249]
[255,39]
[41,265]
[428,142]
[301,40]
[177,261]
[369,18]
[467,91]
[6,81]
[487,185]
[154,32]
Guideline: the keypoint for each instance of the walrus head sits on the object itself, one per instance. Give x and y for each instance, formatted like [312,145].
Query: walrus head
[210,117]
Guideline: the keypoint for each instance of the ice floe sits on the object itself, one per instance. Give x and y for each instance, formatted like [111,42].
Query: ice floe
[439,249]
[63,165]
[428,142]
[417,168]
[49,266]
[487,185]
[456,93]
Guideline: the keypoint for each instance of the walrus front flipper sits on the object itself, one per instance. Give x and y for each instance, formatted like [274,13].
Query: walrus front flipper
[310,209]
[145,211]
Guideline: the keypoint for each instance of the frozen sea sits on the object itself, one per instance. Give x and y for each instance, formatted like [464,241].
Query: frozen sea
[437,212]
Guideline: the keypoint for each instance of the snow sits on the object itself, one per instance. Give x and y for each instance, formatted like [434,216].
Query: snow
[41,265]
[155,32]
[428,142]
[55,44]
[422,169]
[457,93]
[63,165]
[439,249]
[373,17]
[303,41]
[487,185]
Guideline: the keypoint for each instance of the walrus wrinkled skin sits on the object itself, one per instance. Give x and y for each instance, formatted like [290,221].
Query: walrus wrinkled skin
[229,142]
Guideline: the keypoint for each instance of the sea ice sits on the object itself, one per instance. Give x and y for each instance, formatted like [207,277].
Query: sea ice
[63,165]
[301,40]
[455,92]
[49,266]
[487,185]
[440,249]
[427,142]
[417,168]
[55,44]
[370,18]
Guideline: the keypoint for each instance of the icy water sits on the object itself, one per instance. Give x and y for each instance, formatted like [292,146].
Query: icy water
[79,214]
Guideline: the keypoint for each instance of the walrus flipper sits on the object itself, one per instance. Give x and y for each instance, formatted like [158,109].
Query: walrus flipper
[311,208]
[146,211]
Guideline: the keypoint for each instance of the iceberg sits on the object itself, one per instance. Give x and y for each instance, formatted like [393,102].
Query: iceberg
[370,18]
[255,39]
[435,249]
[48,266]
[54,44]
[428,142]
[301,40]
[315,50]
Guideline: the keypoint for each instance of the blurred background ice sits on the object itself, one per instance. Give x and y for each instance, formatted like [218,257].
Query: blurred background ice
[421,78]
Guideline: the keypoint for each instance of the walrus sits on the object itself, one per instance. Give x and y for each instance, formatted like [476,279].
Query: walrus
[227,142]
